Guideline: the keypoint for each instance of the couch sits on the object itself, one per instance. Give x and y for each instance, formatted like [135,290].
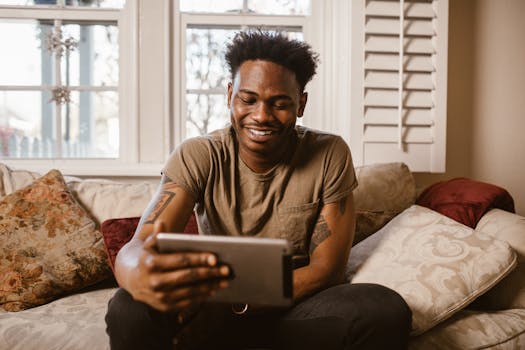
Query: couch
[465,282]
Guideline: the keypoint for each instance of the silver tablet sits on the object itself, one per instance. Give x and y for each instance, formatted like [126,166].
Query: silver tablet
[262,267]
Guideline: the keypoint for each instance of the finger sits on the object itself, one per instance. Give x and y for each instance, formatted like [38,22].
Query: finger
[174,261]
[196,291]
[150,244]
[158,226]
[184,277]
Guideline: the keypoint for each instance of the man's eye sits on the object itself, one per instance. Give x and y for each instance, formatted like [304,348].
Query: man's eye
[248,101]
[280,105]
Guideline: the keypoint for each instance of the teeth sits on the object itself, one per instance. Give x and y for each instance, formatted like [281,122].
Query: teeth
[260,132]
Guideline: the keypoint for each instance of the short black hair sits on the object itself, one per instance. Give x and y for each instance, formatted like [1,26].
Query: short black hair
[276,47]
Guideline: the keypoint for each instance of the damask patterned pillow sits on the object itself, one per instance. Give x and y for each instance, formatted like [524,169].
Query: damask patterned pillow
[48,245]
[435,263]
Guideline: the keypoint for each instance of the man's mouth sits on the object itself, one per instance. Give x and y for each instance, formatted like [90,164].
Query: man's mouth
[260,132]
[259,135]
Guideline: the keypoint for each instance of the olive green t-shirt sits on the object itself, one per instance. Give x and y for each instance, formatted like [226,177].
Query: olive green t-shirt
[284,202]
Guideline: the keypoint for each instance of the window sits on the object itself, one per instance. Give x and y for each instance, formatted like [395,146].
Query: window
[59,79]
[171,84]
[205,28]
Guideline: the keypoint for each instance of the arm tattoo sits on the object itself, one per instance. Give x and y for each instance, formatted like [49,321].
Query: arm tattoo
[321,232]
[165,198]
[342,206]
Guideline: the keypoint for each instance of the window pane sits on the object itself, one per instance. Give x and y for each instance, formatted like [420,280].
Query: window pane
[279,7]
[95,60]
[26,124]
[205,64]
[25,59]
[90,125]
[207,76]
[210,5]
[205,113]
[90,3]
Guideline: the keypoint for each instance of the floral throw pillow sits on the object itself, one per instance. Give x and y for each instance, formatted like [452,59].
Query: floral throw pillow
[48,245]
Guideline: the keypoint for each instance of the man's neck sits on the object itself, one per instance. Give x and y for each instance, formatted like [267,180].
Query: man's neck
[262,163]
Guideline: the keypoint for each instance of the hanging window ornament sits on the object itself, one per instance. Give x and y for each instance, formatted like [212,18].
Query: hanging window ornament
[61,95]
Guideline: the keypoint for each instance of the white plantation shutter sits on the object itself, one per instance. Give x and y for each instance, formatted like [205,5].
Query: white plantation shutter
[398,87]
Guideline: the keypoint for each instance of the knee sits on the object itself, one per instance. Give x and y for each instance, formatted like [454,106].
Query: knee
[384,316]
[130,323]
[124,312]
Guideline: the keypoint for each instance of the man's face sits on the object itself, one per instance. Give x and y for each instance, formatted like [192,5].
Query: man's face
[264,101]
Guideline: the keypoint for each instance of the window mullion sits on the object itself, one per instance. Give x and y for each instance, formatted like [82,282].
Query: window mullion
[57,35]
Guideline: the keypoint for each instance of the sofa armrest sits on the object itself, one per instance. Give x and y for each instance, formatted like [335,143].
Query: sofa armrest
[510,292]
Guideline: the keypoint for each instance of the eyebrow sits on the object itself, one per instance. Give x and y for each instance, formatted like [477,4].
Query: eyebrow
[276,97]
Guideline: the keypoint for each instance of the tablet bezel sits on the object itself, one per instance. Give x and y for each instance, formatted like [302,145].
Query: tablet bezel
[262,267]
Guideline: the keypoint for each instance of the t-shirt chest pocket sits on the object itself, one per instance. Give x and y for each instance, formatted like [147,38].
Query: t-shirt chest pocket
[297,222]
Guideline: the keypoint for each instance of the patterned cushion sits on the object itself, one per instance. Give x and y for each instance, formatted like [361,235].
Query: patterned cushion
[467,329]
[435,263]
[48,245]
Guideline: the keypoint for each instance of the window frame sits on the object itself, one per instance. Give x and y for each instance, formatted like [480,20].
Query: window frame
[126,19]
[184,20]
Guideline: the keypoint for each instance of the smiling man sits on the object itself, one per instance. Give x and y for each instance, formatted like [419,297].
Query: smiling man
[262,176]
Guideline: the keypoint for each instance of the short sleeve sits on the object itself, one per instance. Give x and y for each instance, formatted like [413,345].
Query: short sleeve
[340,178]
[189,166]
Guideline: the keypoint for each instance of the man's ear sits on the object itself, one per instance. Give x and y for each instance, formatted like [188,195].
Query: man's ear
[230,89]
[302,104]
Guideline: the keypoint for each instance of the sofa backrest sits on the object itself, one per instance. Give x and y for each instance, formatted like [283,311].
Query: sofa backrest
[384,191]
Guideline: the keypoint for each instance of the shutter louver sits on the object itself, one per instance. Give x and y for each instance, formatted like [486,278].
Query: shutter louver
[414,132]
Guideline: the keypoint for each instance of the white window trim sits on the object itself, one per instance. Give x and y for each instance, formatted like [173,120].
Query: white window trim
[128,163]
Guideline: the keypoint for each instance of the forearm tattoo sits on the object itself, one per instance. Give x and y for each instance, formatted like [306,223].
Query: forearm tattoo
[321,232]
[165,197]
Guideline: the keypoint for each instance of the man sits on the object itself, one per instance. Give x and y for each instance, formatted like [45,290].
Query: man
[262,176]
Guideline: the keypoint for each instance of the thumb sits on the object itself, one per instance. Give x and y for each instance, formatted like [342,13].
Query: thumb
[151,242]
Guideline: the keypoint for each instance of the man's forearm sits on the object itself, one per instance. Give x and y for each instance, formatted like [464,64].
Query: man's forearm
[311,279]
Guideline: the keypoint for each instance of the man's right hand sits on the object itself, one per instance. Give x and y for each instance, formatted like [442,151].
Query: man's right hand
[176,281]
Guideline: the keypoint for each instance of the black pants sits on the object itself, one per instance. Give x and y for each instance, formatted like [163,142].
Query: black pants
[347,316]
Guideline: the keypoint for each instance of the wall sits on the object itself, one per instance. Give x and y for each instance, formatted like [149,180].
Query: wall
[498,134]
[486,95]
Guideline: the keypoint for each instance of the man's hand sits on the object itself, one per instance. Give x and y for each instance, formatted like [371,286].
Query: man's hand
[176,281]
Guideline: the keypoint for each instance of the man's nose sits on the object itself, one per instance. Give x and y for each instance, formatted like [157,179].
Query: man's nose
[262,113]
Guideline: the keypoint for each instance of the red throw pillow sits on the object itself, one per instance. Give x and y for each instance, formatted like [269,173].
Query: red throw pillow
[465,200]
[117,232]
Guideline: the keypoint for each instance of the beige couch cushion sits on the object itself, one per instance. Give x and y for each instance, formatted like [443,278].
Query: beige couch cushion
[435,263]
[467,329]
[510,292]
[102,199]
[384,191]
